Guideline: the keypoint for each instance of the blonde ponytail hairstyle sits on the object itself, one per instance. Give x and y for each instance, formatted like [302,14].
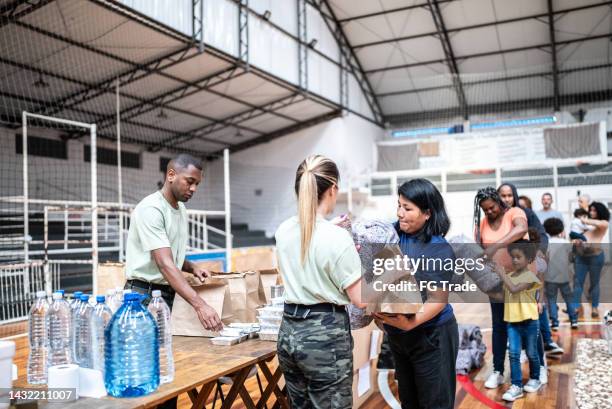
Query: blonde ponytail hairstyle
[315,175]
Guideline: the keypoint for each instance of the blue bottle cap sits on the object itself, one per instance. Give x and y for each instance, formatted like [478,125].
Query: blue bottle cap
[100,299]
[85,297]
[61,292]
[131,297]
[77,294]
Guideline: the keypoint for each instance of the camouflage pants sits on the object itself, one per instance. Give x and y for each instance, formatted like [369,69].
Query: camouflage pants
[316,357]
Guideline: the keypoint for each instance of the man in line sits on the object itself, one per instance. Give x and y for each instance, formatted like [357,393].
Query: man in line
[547,211]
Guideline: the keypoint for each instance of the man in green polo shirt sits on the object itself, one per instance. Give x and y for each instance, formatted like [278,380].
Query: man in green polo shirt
[157,241]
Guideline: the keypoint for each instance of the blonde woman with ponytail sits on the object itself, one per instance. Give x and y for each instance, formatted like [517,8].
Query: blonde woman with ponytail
[321,272]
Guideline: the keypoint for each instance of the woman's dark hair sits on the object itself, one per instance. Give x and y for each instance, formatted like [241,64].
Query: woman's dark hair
[527,247]
[515,196]
[483,194]
[602,211]
[553,226]
[527,200]
[426,196]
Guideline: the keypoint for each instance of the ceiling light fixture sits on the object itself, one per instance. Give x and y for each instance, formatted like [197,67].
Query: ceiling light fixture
[267,15]
[313,43]
[40,82]
[238,134]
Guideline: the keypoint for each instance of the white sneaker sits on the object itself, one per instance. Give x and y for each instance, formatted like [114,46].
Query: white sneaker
[533,385]
[513,393]
[494,380]
[543,375]
[553,348]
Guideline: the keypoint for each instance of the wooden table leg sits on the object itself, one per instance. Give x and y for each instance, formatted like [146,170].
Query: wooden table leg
[200,400]
[272,387]
[237,385]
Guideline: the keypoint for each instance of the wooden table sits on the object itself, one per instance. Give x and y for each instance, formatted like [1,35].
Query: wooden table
[198,365]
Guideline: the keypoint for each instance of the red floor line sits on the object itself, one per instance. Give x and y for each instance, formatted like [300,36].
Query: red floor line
[470,388]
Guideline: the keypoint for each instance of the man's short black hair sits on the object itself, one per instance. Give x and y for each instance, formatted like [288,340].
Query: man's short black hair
[553,226]
[183,161]
[580,212]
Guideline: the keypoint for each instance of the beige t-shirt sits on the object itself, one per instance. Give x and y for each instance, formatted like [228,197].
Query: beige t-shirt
[155,224]
[332,264]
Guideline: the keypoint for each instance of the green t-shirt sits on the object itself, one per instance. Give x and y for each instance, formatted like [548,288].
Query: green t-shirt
[155,224]
[332,264]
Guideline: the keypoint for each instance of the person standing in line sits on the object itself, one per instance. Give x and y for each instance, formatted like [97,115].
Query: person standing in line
[547,211]
[321,272]
[590,256]
[501,226]
[557,278]
[521,314]
[424,345]
[157,242]
[584,200]
[509,195]
[525,202]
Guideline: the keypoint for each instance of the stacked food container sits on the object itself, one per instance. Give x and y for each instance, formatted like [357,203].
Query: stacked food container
[271,316]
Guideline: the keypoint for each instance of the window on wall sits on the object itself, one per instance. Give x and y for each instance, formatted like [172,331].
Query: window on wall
[163,163]
[107,156]
[45,147]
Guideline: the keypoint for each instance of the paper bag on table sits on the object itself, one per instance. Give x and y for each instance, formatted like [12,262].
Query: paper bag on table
[110,276]
[246,294]
[215,292]
[267,279]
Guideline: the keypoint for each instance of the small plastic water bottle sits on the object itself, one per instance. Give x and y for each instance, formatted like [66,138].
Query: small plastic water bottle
[161,313]
[82,334]
[99,320]
[110,299]
[76,299]
[59,324]
[37,360]
[131,350]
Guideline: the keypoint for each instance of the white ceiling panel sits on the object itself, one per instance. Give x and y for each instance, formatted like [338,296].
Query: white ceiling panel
[566,4]
[410,78]
[523,34]
[580,24]
[529,89]
[486,93]
[198,67]
[351,8]
[584,53]
[474,41]
[586,81]
[23,82]
[490,64]
[96,26]
[106,104]
[438,99]
[252,89]
[467,12]
[199,145]
[25,46]
[404,52]
[231,135]
[209,104]
[173,120]
[267,123]
[304,110]
[527,61]
[505,9]
[398,104]
[389,26]
[151,86]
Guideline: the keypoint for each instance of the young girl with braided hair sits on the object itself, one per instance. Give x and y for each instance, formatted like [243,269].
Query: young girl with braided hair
[501,226]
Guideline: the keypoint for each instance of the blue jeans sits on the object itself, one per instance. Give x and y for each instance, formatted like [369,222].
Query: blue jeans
[552,290]
[499,336]
[545,327]
[593,266]
[519,334]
